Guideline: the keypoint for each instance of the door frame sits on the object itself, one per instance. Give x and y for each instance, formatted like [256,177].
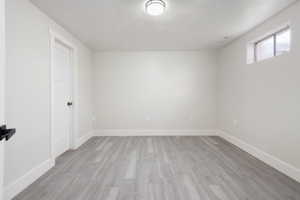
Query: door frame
[2,88]
[56,37]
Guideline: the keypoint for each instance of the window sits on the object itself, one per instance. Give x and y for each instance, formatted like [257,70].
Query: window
[272,45]
[264,49]
[283,42]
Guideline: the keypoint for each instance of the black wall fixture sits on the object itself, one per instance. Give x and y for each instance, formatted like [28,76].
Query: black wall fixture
[6,133]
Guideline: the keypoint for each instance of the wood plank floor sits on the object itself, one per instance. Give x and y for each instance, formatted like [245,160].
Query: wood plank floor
[160,168]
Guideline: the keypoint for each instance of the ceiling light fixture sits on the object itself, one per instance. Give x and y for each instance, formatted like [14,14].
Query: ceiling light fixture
[155,7]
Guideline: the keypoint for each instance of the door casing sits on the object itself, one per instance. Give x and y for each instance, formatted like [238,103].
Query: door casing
[56,37]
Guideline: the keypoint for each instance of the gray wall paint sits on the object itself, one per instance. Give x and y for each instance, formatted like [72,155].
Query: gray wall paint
[263,97]
[155,90]
[28,87]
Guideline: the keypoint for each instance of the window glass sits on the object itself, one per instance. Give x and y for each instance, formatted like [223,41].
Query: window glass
[283,41]
[265,49]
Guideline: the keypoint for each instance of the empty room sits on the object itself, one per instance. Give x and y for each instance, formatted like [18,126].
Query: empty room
[149,100]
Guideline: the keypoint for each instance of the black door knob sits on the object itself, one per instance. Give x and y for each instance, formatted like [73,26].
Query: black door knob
[6,133]
[69,104]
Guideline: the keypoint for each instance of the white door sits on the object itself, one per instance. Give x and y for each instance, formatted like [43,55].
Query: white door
[2,66]
[61,97]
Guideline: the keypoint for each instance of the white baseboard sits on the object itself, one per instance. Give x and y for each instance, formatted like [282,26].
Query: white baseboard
[271,160]
[22,183]
[83,139]
[126,132]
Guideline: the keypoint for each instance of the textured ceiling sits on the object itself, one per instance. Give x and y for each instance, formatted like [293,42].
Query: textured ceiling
[186,24]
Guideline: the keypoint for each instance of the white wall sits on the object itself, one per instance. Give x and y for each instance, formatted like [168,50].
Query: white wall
[85,102]
[263,97]
[167,90]
[28,88]
[2,71]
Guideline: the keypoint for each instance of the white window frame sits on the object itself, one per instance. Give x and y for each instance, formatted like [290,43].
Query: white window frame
[274,36]
[252,46]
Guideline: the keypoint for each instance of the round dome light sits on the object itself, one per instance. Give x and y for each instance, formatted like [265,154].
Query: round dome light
[155,7]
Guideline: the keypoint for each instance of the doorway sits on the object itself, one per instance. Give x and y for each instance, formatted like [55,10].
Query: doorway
[62,109]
